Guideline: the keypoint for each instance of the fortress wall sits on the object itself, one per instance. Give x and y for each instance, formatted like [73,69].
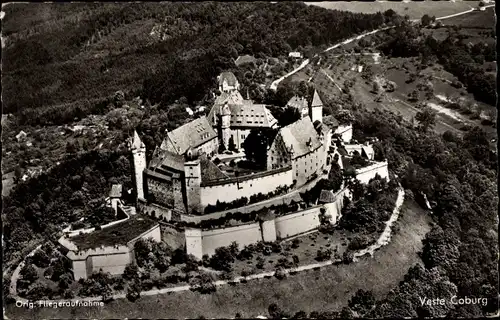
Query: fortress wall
[243,235]
[162,191]
[112,259]
[297,223]
[334,209]
[285,199]
[234,190]
[157,211]
[345,131]
[365,174]
[112,263]
[199,242]
[194,242]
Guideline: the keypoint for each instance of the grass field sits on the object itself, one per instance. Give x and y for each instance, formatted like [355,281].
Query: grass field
[476,19]
[415,10]
[326,289]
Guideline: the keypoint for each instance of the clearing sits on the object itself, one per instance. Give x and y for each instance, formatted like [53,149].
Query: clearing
[415,10]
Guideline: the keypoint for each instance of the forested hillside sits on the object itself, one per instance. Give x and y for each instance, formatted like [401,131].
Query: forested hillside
[63,61]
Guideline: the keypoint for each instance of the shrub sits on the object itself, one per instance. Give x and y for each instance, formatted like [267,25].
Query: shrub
[41,259]
[134,291]
[29,273]
[296,243]
[323,255]
[204,283]
[280,273]
[347,257]
[358,242]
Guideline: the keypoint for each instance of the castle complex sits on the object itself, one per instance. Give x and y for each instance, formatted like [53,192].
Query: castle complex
[197,166]
[189,170]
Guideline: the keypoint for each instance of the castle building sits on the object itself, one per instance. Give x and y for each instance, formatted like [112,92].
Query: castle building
[301,146]
[228,82]
[314,109]
[234,117]
[181,177]
[109,249]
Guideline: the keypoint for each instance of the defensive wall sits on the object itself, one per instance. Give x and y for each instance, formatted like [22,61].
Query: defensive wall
[227,190]
[293,195]
[200,242]
[112,259]
[364,175]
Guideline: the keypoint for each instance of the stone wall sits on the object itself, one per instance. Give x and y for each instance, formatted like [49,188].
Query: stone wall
[297,223]
[200,242]
[229,191]
[112,259]
[156,211]
[345,131]
[364,175]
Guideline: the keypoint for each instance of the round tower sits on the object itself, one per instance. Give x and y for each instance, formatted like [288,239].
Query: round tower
[138,149]
[225,125]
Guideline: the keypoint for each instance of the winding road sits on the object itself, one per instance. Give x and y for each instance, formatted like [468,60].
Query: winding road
[275,83]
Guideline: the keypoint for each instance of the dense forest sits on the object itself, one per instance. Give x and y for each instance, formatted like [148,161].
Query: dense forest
[39,207]
[67,65]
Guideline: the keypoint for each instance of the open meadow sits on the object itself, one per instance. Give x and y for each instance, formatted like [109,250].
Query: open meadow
[415,9]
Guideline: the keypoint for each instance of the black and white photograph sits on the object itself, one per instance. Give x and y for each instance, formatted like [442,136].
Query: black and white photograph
[249,160]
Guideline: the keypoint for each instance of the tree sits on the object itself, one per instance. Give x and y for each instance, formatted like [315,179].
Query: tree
[222,259]
[232,145]
[413,96]
[391,86]
[375,87]
[256,145]
[426,118]
[275,312]
[134,291]
[426,20]
[204,283]
[40,259]
[131,272]
[362,301]
[29,273]
[65,280]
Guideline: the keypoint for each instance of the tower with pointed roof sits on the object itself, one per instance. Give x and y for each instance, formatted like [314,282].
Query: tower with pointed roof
[138,149]
[316,108]
[225,125]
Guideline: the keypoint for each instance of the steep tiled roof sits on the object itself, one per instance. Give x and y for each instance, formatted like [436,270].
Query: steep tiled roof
[326,196]
[191,135]
[209,171]
[331,121]
[246,114]
[316,101]
[233,97]
[135,141]
[116,191]
[229,77]
[298,102]
[167,160]
[244,59]
[300,136]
